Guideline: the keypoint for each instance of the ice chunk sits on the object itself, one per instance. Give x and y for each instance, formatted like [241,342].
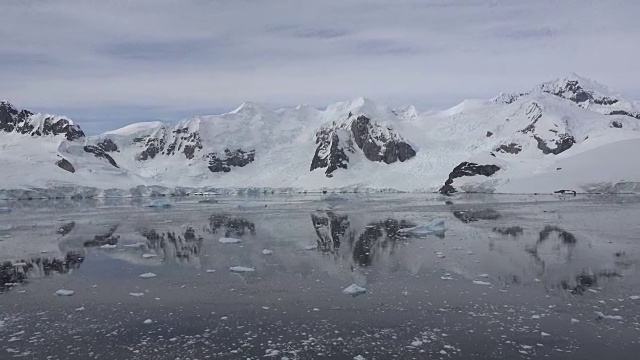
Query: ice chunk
[228,240]
[544,333]
[359,357]
[267,252]
[148,321]
[634,297]
[241,269]
[574,321]
[136,294]
[64,292]
[354,290]
[20,264]
[440,255]
[5,227]
[210,271]
[478,282]
[608,317]
[159,203]
[434,227]
[136,245]
[148,256]
[148,275]
[108,246]
[484,276]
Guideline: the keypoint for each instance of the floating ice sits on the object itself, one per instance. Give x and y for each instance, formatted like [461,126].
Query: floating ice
[634,297]
[241,269]
[484,276]
[108,246]
[211,270]
[148,256]
[5,227]
[440,255]
[574,321]
[228,240]
[478,282]
[20,264]
[359,357]
[63,292]
[354,290]
[544,333]
[148,275]
[608,317]
[81,308]
[136,245]
[5,210]
[208,201]
[136,294]
[148,321]
[158,203]
[435,227]
[267,252]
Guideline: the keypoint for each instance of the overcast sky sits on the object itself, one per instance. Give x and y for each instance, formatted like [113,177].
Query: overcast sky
[107,63]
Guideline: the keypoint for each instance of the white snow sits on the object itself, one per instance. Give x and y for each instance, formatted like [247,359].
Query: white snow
[354,290]
[228,240]
[241,269]
[64,292]
[148,275]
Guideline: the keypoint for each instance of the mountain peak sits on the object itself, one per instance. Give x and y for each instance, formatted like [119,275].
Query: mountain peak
[249,107]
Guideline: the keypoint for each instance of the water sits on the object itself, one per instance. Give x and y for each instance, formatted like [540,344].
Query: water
[510,277]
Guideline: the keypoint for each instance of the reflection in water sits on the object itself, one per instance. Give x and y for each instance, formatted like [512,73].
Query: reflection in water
[567,242]
[182,248]
[234,225]
[104,239]
[509,231]
[66,228]
[19,272]
[467,216]
[330,229]
[566,237]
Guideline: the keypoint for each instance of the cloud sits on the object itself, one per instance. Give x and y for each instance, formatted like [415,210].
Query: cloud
[163,58]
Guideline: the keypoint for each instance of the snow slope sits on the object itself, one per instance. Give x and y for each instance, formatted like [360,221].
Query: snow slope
[567,133]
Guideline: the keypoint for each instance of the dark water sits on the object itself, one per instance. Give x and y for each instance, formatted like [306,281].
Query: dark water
[510,277]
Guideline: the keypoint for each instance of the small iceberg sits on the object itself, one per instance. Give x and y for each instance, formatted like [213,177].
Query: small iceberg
[63,292]
[478,282]
[435,227]
[136,245]
[228,240]
[354,290]
[241,269]
[149,256]
[148,275]
[267,252]
[108,246]
[159,203]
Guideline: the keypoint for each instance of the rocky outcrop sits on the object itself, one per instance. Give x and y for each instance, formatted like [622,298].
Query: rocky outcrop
[235,158]
[625,113]
[107,145]
[65,165]
[99,153]
[467,169]
[377,143]
[511,148]
[13,120]
[564,142]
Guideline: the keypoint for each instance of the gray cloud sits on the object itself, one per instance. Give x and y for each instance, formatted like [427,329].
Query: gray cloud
[176,56]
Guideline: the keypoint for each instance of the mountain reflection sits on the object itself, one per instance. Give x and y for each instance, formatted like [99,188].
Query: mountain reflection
[173,246]
[19,272]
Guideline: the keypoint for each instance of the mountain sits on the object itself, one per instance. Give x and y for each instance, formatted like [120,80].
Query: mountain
[569,133]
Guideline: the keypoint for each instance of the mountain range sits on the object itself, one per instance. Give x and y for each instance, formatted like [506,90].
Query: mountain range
[569,133]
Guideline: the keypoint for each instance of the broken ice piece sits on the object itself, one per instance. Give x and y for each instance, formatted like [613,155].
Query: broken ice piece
[148,256]
[241,269]
[354,290]
[439,255]
[108,246]
[136,294]
[148,321]
[63,292]
[227,240]
[478,282]
[267,252]
[148,275]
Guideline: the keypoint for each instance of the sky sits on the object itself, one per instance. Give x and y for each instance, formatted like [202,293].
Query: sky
[107,63]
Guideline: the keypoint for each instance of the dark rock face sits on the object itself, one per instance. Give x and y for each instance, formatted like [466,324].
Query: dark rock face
[107,145]
[616,124]
[65,165]
[574,92]
[19,121]
[377,144]
[564,142]
[489,134]
[236,158]
[467,216]
[467,169]
[378,147]
[511,148]
[626,113]
[153,147]
[533,113]
[329,153]
[185,142]
[99,153]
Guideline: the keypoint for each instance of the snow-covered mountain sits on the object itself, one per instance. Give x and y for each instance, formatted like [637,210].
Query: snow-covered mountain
[569,133]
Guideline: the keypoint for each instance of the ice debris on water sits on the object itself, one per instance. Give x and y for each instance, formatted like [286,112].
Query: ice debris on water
[241,269]
[634,297]
[5,210]
[210,271]
[5,227]
[608,317]
[149,256]
[158,203]
[148,321]
[148,275]
[359,357]
[64,292]
[135,246]
[434,227]
[267,252]
[136,294]
[478,282]
[440,255]
[108,246]
[542,333]
[354,290]
[228,240]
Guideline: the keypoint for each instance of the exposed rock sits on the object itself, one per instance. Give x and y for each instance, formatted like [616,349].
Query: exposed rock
[467,169]
[572,192]
[564,142]
[65,165]
[236,158]
[571,90]
[626,113]
[66,228]
[489,134]
[376,146]
[330,154]
[153,146]
[20,121]
[533,113]
[107,145]
[99,153]
[511,148]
